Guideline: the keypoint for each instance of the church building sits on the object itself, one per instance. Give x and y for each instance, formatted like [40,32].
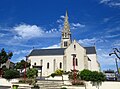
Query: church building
[71,55]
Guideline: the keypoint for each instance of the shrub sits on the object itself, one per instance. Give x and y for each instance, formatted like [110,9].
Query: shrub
[10,74]
[32,73]
[59,72]
[53,74]
[95,77]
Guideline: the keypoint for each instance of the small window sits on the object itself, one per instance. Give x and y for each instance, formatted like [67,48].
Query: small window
[48,65]
[35,63]
[65,43]
[65,34]
[74,46]
[60,65]
[76,62]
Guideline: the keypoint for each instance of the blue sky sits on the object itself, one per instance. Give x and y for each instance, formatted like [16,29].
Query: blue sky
[25,24]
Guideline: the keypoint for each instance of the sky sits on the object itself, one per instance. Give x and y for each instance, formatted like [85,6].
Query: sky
[28,24]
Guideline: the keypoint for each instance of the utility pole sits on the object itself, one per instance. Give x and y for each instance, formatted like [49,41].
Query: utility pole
[117,65]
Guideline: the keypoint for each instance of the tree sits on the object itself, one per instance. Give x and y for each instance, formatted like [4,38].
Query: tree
[21,64]
[10,74]
[32,73]
[4,56]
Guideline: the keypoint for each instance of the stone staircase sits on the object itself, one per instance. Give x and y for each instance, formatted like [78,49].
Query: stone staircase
[49,84]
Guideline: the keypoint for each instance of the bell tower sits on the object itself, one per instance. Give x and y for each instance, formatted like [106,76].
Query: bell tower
[66,34]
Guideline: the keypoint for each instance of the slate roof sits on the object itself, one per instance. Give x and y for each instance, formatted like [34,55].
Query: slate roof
[90,50]
[57,51]
[38,52]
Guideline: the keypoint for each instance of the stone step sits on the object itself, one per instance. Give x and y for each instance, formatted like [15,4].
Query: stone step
[51,81]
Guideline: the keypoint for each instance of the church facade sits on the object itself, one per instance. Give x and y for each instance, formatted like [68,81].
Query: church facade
[71,55]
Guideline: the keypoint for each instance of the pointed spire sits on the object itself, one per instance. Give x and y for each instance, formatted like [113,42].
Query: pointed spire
[66,17]
[66,23]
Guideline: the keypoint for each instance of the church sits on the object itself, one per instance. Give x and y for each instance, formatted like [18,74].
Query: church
[70,56]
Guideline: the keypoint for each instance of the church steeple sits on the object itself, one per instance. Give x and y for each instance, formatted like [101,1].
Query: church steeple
[66,34]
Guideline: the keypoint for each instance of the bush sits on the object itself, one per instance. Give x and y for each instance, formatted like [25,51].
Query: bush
[32,73]
[53,74]
[59,72]
[94,76]
[10,74]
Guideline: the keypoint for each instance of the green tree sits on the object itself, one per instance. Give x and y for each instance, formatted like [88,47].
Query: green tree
[10,74]
[4,56]
[32,73]
[21,64]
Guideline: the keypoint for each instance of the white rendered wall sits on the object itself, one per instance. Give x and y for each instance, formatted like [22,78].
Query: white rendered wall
[80,55]
[47,59]
[93,64]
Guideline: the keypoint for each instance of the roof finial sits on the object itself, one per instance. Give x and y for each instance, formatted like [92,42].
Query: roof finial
[66,16]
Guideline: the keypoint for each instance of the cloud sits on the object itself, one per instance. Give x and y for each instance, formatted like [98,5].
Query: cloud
[111,3]
[76,25]
[62,16]
[1,34]
[52,46]
[27,31]
[21,52]
[112,36]
[88,42]
[106,61]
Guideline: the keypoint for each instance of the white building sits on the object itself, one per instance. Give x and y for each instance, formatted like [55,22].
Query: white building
[71,53]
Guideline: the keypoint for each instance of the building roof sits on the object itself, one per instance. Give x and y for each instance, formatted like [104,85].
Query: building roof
[90,50]
[40,52]
[57,51]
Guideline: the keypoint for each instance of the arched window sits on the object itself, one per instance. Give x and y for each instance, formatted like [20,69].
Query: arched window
[60,65]
[48,65]
[74,46]
[35,63]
